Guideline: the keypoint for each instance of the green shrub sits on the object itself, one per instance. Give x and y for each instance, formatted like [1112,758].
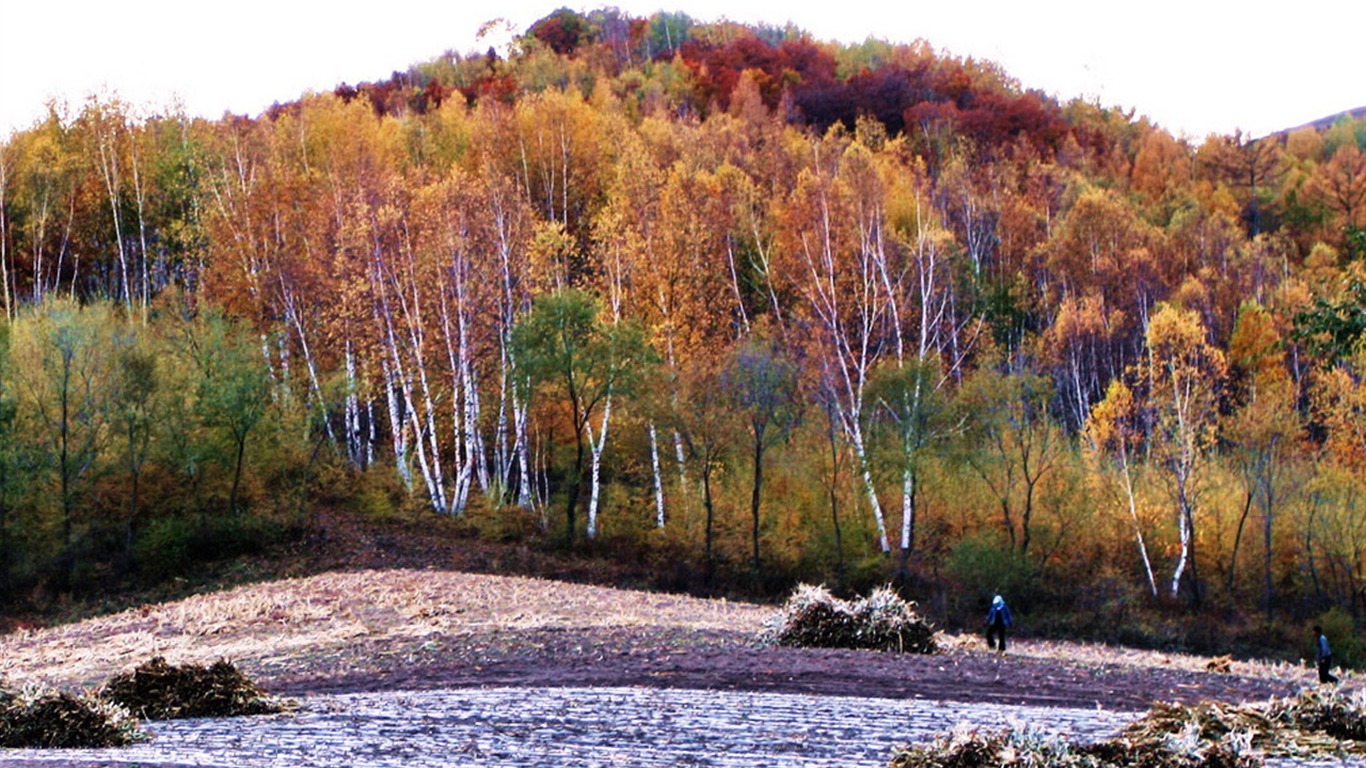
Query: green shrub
[171,546]
[978,565]
[162,549]
[379,494]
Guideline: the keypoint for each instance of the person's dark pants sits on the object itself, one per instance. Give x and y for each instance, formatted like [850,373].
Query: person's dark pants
[1325,664]
[996,630]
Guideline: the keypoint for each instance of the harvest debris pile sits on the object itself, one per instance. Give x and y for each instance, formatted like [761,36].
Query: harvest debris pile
[155,690]
[37,718]
[882,621]
[1205,735]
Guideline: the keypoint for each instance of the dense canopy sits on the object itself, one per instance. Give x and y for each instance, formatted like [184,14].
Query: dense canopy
[758,306]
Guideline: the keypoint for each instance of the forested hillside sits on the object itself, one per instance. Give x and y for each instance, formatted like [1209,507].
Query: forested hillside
[734,301]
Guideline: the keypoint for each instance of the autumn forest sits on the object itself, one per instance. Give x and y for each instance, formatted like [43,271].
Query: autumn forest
[733,302]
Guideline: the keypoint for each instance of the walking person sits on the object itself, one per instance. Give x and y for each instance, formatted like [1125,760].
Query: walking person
[1325,656]
[998,621]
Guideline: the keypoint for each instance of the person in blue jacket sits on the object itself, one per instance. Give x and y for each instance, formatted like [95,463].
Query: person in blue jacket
[1325,656]
[998,621]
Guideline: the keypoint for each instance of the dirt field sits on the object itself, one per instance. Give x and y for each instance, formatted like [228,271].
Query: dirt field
[393,630]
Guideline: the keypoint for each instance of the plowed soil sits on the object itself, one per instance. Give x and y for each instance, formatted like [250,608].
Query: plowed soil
[416,628]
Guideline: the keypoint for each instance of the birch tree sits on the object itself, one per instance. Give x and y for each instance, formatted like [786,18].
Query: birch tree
[1184,375]
[1115,435]
[564,345]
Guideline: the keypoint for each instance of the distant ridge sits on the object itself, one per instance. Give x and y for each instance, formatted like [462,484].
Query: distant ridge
[1323,123]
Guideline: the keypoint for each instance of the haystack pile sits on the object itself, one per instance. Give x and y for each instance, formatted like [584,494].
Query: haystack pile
[44,718]
[814,618]
[157,690]
[1206,735]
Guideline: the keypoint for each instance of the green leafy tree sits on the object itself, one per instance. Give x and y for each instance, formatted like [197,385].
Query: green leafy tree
[134,409]
[707,427]
[909,413]
[1012,443]
[563,345]
[65,378]
[232,387]
[1333,327]
[762,388]
[8,459]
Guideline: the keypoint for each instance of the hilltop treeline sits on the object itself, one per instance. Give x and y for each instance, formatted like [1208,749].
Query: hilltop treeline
[750,306]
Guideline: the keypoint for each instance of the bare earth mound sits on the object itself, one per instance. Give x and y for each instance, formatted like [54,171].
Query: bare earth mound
[413,630]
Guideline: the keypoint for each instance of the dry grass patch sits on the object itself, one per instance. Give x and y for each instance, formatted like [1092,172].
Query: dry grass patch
[295,618]
[1138,658]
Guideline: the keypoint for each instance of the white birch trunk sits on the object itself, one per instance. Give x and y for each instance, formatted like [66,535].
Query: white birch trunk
[1133,515]
[109,172]
[397,425]
[4,239]
[526,496]
[142,229]
[315,386]
[1183,531]
[354,446]
[907,507]
[460,491]
[596,447]
[658,480]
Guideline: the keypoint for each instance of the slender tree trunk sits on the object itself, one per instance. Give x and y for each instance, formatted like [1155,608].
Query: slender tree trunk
[398,429]
[756,496]
[1133,515]
[682,462]
[109,171]
[866,472]
[655,474]
[314,385]
[237,474]
[4,259]
[1237,540]
[708,535]
[596,447]
[140,197]
[833,435]
[356,447]
[572,501]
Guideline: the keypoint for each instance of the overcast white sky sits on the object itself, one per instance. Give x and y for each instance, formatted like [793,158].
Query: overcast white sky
[1193,66]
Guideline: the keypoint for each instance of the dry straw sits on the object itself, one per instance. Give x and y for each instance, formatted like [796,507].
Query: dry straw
[882,621]
[157,690]
[42,718]
[1316,724]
